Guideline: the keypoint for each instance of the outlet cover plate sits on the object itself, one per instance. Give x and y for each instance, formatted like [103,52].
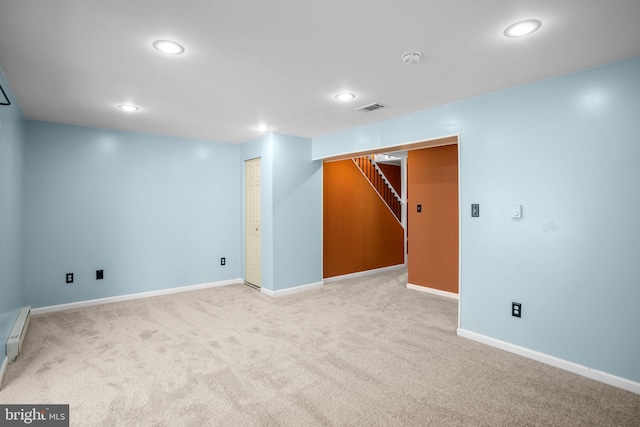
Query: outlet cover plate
[516,309]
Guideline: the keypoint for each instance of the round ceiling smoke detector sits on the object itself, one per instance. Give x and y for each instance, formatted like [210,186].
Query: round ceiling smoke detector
[412,57]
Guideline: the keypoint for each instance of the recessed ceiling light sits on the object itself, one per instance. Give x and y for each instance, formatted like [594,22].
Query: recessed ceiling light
[522,28]
[345,96]
[128,108]
[168,46]
[261,128]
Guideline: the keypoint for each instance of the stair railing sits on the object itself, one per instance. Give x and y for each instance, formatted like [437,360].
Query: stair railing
[381,184]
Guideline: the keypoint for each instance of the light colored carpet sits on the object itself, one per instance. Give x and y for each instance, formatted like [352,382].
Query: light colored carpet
[359,352]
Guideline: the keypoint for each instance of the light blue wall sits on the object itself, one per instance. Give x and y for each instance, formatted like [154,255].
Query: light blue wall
[11,182]
[153,212]
[297,213]
[568,150]
[263,148]
[291,211]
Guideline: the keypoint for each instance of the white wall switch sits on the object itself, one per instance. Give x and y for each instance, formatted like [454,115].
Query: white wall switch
[516,211]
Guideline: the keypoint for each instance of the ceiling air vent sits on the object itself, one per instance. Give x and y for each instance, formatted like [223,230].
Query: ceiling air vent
[371,107]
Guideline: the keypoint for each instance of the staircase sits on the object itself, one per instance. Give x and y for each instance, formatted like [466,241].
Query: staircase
[381,184]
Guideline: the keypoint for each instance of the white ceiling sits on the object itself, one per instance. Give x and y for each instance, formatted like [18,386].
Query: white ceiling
[282,61]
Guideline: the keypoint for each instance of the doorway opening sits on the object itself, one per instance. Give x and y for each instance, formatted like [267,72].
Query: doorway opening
[430,217]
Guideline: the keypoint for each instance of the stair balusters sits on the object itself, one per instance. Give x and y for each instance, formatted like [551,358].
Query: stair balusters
[383,188]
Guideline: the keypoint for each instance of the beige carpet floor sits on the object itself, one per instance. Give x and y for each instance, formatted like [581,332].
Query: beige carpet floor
[359,352]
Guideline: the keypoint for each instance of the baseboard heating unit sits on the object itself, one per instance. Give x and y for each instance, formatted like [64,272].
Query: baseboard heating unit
[16,338]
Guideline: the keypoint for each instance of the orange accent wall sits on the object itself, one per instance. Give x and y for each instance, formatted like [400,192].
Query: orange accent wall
[392,172]
[432,181]
[359,232]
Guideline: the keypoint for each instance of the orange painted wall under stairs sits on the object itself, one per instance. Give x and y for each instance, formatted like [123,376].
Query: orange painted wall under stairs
[359,231]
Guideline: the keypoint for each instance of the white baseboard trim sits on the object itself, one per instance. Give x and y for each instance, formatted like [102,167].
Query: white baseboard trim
[584,371]
[99,301]
[364,273]
[433,291]
[283,292]
[3,369]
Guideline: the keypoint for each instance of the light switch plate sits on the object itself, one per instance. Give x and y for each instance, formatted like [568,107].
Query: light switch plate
[516,211]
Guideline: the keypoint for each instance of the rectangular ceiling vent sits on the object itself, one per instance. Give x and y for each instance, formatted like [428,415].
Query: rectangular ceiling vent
[371,107]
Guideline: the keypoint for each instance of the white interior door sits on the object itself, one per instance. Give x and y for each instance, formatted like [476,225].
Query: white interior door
[252,225]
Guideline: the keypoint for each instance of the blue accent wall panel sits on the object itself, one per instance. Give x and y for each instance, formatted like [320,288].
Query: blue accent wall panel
[11,193]
[291,211]
[567,149]
[153,212]
[297,213]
